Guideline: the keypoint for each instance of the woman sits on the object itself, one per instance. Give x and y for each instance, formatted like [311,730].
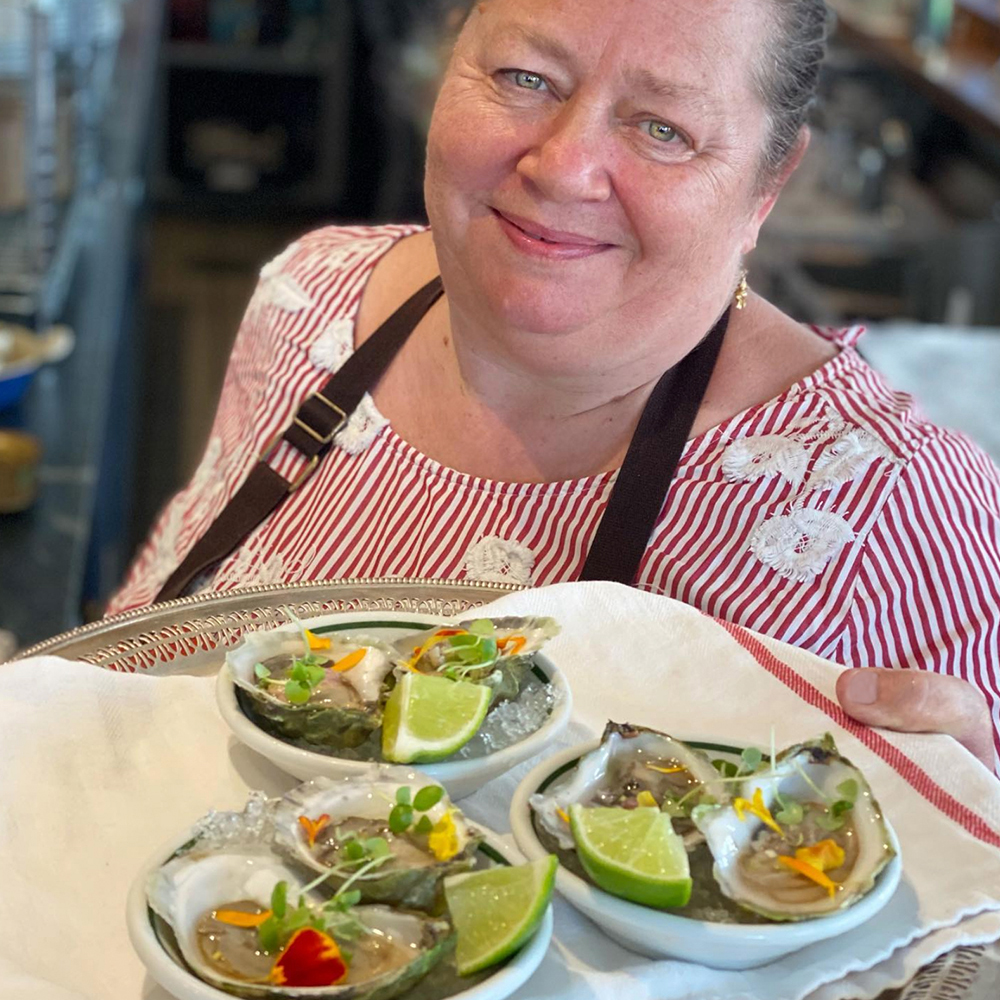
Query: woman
[594,182]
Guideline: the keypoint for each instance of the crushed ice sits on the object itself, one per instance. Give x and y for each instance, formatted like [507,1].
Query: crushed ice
[511,721]
[232,829]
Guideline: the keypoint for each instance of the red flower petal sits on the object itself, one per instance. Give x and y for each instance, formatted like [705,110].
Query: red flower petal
[311,958]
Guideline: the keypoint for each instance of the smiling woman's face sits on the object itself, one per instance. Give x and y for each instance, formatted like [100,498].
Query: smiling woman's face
[593,166]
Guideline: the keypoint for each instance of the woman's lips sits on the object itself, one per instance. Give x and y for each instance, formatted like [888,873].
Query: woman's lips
[540,241]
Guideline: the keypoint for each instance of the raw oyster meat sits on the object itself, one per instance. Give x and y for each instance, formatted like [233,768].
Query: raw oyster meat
[493,651]
[630,761]
[800,840]
[343,708]
[206,897]
[315,823]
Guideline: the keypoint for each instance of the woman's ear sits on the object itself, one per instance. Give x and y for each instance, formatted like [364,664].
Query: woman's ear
[788,168]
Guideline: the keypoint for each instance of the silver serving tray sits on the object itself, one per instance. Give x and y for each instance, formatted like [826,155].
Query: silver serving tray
[188,635]
[195,629]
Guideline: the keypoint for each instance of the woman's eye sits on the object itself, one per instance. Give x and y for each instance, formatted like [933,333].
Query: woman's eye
[660,131]
[528,81]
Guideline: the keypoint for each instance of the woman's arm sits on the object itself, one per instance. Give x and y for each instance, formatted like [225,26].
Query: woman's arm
[928,596]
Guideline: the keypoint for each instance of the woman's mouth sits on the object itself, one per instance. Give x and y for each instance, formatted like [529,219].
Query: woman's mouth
[536,240]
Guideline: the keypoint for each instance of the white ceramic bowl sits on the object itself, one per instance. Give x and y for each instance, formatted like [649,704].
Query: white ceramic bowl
[660,934]
[459,777]
[170,972]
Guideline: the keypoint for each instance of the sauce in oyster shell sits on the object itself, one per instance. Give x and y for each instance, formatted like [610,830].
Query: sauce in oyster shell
[235,951]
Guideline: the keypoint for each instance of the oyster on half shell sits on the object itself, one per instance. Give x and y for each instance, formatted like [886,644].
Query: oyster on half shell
[800,840]
[314,823]
[191,891]
[343,709]
[494,651]
[632,760]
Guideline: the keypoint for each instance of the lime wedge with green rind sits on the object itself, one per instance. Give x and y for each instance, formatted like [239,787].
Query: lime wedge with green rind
[495,911]
[632,853]
[428,718]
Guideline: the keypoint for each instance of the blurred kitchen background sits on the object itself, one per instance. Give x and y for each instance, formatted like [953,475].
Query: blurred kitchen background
[155,153]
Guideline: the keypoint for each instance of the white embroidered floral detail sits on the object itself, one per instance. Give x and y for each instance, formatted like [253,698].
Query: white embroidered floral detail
[333,346]
[274,267]
[362,427]
[798,545]
[251,567]
[764,456]
[284,292]
[496,560]
[846,458]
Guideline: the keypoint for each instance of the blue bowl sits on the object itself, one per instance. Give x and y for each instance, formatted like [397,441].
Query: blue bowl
[14,384]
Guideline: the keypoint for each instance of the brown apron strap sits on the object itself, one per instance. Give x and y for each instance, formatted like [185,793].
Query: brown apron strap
[651,463]
[311,433]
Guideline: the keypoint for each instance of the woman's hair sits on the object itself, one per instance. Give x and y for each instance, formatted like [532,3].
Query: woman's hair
[788,75]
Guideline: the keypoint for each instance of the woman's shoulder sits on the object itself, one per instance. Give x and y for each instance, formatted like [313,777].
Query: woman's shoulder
[332,248]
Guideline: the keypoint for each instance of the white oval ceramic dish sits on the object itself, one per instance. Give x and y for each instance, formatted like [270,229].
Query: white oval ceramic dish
[459,777]
[170,972]
[661,934]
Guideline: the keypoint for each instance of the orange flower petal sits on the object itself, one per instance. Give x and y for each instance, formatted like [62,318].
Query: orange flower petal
[517,640]
[825,855]
[311,958]
[239,918]
[317,641]
[314,827]
[351,660]
[811,873]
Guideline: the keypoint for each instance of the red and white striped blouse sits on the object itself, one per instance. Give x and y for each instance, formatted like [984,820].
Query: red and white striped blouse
[833,517]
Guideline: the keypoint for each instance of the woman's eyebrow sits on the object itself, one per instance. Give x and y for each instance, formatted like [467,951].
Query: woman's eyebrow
[648,83]
[535,40]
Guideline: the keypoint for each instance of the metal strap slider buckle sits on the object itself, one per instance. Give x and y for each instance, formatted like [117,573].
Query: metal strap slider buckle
[272,445]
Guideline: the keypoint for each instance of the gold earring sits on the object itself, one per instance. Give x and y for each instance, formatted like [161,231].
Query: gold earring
[742,291]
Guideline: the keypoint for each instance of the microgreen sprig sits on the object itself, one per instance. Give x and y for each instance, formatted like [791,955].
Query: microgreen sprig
[403,812]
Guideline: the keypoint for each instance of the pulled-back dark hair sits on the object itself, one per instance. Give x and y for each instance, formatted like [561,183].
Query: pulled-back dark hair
[788,74]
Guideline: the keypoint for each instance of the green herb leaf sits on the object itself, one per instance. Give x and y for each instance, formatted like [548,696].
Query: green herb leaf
[751,758]
[279,899]
[791,813]
[829,822]
[269,935]
[354,850]
[483,626]
[349,899]
[848,790]
[261,671]
[403,795]
[725,767]
[428,797]
[400,819]
[424,825]
[377,847]
[296,692]
[299,673]
[457,641]
[314,675]
[840,807]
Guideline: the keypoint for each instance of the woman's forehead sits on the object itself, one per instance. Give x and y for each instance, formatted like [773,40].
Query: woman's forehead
[653,43]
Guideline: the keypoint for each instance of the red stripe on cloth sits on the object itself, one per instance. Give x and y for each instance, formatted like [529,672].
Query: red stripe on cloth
[895,758]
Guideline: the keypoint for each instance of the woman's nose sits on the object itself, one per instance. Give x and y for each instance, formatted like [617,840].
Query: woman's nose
[568,162]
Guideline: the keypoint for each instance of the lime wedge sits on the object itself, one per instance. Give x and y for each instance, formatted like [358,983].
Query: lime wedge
[427,718]
[632,853]
[495,911]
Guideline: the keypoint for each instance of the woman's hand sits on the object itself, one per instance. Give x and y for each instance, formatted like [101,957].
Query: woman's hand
[916,701]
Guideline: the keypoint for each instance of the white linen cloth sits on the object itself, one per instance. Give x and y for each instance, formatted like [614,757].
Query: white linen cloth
[100,770]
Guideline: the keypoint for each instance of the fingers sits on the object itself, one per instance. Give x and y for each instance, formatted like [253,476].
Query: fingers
[915,701]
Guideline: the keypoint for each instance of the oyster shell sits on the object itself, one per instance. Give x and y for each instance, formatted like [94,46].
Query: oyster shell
[343,710]
[815,796]
[493,651]
[191,888]
[631,760]
[336,812]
